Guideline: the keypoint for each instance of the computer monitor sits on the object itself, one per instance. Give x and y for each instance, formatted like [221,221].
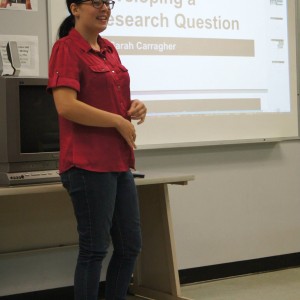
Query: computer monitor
[29,130]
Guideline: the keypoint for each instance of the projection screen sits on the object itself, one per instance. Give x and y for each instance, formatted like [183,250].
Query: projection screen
[209,71]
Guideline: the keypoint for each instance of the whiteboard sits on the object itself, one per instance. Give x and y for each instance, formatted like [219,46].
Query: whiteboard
[210,72]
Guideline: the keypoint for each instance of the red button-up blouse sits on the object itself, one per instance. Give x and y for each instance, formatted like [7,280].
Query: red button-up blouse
[100,81]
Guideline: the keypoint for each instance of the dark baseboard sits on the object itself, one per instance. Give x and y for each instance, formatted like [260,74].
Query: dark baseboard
[65,293]
[266,264]
[187,276]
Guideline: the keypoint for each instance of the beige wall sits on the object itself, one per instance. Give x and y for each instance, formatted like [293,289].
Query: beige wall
[244,203]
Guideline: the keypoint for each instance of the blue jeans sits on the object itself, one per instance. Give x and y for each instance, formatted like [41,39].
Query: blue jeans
[106,209]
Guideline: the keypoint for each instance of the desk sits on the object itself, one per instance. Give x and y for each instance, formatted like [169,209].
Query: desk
[156,275]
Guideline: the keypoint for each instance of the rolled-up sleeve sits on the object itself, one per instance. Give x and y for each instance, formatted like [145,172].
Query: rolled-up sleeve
[63,67]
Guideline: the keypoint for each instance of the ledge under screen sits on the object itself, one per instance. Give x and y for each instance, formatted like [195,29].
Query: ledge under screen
[210,71]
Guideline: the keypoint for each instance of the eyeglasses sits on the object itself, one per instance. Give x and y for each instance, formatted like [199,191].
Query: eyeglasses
[99,3]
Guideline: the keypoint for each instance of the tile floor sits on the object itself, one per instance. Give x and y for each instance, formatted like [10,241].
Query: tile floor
[278,285]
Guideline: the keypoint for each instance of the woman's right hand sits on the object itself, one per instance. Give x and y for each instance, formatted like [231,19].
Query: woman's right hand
[127,130]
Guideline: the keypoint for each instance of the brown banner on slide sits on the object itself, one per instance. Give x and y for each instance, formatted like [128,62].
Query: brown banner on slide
[133,45]
[205,105]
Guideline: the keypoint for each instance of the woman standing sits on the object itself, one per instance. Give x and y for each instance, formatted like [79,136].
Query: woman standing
[91,91]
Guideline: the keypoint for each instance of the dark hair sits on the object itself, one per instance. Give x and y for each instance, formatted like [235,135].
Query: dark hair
[69,22]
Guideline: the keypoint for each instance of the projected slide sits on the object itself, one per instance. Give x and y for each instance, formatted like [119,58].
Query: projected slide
[204,56]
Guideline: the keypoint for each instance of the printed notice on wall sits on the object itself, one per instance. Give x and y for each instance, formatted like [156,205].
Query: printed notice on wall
[27,5]
[19,55]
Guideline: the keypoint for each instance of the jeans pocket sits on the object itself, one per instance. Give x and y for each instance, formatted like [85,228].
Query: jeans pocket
[65,180]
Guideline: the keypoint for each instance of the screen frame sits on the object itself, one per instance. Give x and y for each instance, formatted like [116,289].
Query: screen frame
[148,133]
[10,147]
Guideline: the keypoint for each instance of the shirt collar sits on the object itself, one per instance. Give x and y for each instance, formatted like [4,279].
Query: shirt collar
[85,46]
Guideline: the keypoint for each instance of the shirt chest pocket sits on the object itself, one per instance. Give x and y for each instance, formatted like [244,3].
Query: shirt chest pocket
[99,69]
[98,75]
[122,68]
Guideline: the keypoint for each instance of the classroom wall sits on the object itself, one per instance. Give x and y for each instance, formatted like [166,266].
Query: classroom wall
[29,23]
[243,204]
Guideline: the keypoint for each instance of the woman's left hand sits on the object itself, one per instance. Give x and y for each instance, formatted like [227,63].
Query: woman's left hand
[137,111]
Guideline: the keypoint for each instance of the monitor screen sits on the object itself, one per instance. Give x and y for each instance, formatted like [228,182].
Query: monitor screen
[39,128]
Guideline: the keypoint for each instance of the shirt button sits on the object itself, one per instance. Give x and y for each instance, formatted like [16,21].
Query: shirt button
[113,71]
